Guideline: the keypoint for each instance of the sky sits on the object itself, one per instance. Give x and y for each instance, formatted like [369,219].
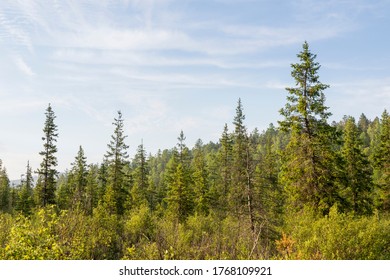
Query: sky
[176,65]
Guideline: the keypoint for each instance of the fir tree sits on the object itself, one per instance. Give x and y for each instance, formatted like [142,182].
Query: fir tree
[47,173]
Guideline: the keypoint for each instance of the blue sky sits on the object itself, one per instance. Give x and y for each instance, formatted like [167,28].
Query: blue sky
[172,65]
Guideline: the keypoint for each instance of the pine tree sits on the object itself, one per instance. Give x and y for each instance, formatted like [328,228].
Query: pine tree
[47,173]
[310,170]
[357,170]
[117,158]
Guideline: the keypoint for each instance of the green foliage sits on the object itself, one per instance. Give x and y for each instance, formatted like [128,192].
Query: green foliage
[34,238]
[304,190]
[336,236]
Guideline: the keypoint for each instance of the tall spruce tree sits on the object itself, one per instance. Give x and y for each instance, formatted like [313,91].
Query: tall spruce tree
[47,172]
[116,157]
[309,170]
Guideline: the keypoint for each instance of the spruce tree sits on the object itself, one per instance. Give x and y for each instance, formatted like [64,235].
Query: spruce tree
[47,172]
[140,176]
[241,192]
[310,170]
[180,197]
[116,159]
[237,194]
[79,173]
[200,178]
[358,173]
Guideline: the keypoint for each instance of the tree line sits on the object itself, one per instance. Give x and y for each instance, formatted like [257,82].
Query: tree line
[305,189]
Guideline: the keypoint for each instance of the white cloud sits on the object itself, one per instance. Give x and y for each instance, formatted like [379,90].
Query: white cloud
[23,67]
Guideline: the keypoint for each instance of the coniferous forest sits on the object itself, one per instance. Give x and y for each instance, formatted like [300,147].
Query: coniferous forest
[302,189]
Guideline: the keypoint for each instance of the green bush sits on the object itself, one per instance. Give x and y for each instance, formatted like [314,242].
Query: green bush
[337,236]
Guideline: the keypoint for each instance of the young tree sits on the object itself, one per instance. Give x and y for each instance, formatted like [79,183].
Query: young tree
[117,158]
[47,173]
[309,170]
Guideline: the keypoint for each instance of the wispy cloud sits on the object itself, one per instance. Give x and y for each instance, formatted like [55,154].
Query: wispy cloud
[23,67]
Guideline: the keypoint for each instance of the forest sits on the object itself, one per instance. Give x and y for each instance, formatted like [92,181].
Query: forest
[304,189]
